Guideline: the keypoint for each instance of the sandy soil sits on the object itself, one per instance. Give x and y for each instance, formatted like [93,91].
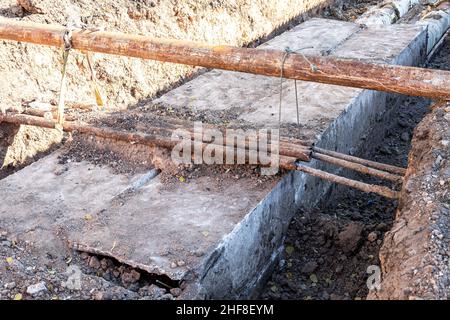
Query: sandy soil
[33,71]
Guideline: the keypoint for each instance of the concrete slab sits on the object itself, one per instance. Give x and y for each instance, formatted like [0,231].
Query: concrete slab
[221,235]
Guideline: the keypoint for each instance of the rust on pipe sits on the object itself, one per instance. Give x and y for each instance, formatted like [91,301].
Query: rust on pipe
[358,167]
[345,72]
[301,150]
[373,164]
[290,164]
[287,163]
[137,137]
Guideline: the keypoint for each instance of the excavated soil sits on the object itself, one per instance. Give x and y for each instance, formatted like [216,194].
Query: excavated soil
[32,72]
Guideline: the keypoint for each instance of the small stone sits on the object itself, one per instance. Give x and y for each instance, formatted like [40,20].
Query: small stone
[84,255]
[385,150]
[94,263]
[403,123]
[130,277]
[166,296]
[181,263]
[36,288]
[105,263]
[309,267]
[372,236]
[437,162]
[32,6]
[313,278]
[173,265]
[155,291]
[6,243]
[98,295]
[349,238]
[175,292]
[289,250]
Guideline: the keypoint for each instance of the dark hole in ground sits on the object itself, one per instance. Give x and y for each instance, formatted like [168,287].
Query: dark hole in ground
[144,283]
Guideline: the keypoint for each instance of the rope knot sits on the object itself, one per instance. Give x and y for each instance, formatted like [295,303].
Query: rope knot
[67,39]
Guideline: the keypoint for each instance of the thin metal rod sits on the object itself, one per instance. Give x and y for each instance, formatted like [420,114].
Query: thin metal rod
[358,167]
[290,164]
[42,113]
[369,163]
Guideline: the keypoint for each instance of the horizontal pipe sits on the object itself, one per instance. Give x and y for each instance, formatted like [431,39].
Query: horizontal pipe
[358,167]
[43,113]
[301,152]
[289,164]
[373,164]
[338,71]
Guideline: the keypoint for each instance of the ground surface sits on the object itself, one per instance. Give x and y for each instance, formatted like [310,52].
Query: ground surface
[329,250]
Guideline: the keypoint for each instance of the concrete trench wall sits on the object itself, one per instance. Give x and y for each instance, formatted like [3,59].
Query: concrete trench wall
[259,236]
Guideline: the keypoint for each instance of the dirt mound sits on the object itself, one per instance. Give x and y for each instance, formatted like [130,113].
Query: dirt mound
[415,254]
[31,74]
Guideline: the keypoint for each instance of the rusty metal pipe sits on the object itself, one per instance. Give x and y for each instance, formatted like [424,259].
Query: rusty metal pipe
[137,137]
[369,163]
[290,164]
[332,70]
[358,167]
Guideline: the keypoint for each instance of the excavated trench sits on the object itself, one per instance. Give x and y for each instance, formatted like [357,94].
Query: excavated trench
[327,250]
